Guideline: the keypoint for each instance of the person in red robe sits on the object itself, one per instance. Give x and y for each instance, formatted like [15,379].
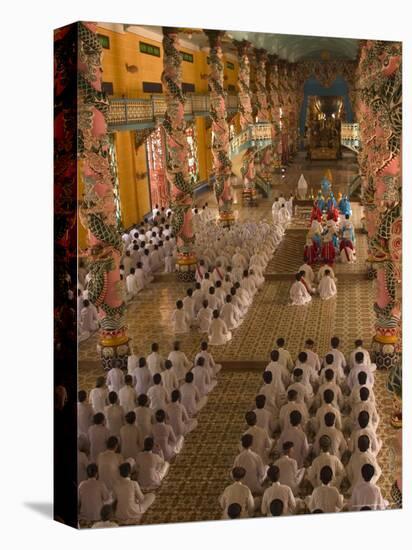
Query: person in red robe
[310,252]
[328,252]
[316,213]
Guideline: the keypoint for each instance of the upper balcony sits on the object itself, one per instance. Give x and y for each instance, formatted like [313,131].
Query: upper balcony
[257,135]
[136,114]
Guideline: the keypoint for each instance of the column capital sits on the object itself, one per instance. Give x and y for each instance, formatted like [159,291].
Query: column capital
[244,47]
[215,37]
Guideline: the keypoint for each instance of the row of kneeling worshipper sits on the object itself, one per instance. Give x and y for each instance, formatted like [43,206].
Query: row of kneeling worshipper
[225,290]
[311,444]
[130,428]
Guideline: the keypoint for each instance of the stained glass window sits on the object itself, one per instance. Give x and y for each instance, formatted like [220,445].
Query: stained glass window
[104,41]
[115,179]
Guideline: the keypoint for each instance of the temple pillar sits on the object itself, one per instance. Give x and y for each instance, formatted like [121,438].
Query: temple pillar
[97,210]
[177,156]
[246,119]
[274,106]
[263,112]
[380,107]
[222,165]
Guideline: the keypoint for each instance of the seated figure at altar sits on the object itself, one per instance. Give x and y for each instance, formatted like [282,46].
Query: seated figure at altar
[326,186]
[344,206]
[321,201]
[316,213]
[347,251]
[328,251]
[347,227]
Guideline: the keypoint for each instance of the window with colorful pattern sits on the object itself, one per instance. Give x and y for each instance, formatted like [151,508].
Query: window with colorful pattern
[193,164]
[115,179]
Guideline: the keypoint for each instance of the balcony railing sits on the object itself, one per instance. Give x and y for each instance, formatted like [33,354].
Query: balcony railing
[126,113]
[257,135]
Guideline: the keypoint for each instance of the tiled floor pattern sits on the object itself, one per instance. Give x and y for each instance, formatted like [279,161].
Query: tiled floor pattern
[200,472]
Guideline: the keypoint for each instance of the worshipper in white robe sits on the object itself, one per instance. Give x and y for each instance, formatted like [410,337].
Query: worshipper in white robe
[364,429]
[189,306]
[190,396]
[327,406]
[170,380]
[140,277]
[204,317]
[339,445]
[214,302]
[181,363]
[142,377]
[298,293]
[108,463]
[177,416]
[98,396]
[279,491]
[283,215]
[89,321]
[132,284]
[365,493]
[309,275]
[165,438]
[82,462]
[264,419]
[289,472]
[365,405]
[359,347]
[238,260]
[330,384]
[262,443]
[322,270]
[253,465]
[114,414]
[144,416]
[309,375]
[228,314]
[360,366]
[131,441]
[312,357]
[248,283]
[180,319]
[145,260]
[157,394]
[170,262]
[339,357]
[197,297]
[355,396]
[280,373]
[218,333]
[200,271]
[115,379]
[127,394]
[98,435]
[105,522]
[155,361]
[84,413]
[325,458]
[362,456]
[325,497]
[289,205]
[238,493]
[297,436]
[202,378]
[302,386]
[327,286]
[292,405]
[151,468]
[330,364]
[270,392]
[131,502]
[92,495]
[210,363]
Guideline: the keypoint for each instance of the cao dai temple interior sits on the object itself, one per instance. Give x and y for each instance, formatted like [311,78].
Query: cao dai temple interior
[238,287]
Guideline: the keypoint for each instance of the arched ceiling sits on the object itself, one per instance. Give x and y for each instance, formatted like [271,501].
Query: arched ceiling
[295,48]
[291,47]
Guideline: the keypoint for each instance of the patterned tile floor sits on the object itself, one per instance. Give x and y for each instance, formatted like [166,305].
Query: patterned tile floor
[200,472]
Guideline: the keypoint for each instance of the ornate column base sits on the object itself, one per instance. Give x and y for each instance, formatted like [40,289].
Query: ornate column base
[226,218]
[249,195]
[186,268]
[114,348]
[384,350]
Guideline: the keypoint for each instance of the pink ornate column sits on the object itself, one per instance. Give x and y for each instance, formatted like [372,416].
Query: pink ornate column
[97,211]
[265,161]
[380,89]
[177,155]
[246,118]
[283,101]
[274,105]
[222,166]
